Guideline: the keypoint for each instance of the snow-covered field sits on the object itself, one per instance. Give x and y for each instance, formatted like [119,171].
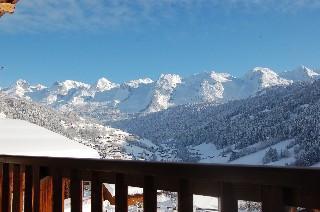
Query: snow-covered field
[19,137]
[256,158]
[208,153]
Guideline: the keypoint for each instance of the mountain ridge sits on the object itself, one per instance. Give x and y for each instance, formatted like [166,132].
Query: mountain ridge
[146,95]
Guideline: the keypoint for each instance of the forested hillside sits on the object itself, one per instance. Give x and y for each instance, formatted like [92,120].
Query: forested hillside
[109,142]
[243,126]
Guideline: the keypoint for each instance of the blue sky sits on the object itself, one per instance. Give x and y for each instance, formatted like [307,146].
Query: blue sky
[127,39]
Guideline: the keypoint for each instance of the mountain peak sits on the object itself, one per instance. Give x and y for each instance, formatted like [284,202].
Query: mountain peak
[137,82]
[69,84]
[103,84]
[302,73]
[263,70]
[63,87]
[265,77]
[172,79]
[21,82]
[220,77]
[308,71]
[38,87]
[19,88]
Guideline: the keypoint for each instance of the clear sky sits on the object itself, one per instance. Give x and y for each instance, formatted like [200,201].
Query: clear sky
[51,40]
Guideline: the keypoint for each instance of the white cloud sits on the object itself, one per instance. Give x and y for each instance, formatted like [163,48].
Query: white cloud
[48,15]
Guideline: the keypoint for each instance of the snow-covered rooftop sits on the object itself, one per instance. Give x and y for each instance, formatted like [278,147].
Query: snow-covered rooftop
[19,137]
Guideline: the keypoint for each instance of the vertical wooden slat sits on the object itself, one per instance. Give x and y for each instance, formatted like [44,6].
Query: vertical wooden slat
[46,194]
[22,184]
[36,188]
[185,197]
[1,172]
[16,203]
[28,189]
[149,195]
[121,194]
[11,186]
[272,199]
[96,193]
[57,191]
[227,200]
[76,192]
[5,188]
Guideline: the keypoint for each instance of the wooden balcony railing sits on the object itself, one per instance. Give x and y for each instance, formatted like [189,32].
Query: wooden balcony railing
[278,189]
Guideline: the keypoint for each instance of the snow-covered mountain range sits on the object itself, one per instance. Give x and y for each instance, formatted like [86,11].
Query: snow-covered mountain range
[278,126]
[185,132]
[108,99]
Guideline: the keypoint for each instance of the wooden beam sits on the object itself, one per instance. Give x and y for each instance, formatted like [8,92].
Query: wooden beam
[227,200]
[17,181]
[36,188]
[6,200]
[28,189]
[76,192]
[96,193]
[58,196]
[121,194]
[185,197]
[272,199]
[149,195]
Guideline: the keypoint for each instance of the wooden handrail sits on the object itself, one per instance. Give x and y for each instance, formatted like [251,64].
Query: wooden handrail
[276,187]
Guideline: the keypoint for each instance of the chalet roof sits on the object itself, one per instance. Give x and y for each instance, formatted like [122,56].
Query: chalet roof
[7,6]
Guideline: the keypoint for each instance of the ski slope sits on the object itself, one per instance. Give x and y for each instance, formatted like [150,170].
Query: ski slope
[19,137]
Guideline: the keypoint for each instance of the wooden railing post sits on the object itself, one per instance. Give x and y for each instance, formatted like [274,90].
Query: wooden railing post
[58,196]
[185,197]
[121,194]
[149,195]
[6,196]
[76,192]
[227,200]
[36,188]
[17,183]
[96,193]
[272,199]
[28,189]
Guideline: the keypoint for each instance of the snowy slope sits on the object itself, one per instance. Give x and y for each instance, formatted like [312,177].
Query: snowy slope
[203,87]
[162,92]
[110,143]
[19,137]
[260,78]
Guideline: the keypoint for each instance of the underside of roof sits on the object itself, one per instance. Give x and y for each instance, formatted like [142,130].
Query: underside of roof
[7,6]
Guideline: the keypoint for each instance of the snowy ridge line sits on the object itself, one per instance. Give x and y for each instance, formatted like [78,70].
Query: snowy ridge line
[105,98]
